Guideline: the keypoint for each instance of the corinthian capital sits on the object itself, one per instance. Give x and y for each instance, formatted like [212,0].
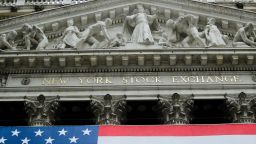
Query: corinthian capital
[175,109]
[41,110]
[108,110]
[242,108]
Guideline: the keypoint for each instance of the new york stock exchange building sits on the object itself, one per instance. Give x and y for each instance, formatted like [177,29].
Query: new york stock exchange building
[127,72]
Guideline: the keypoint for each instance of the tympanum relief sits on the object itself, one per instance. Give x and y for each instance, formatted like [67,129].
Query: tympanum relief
[140,29]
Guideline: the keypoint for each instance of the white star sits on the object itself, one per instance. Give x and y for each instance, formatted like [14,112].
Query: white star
[2,140]
[49,140]
[86,132]
[15,133]
[62,132]
[39,132]
[25,140]
[73,139]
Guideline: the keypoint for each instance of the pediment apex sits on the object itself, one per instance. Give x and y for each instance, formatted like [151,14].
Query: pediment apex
[100,9]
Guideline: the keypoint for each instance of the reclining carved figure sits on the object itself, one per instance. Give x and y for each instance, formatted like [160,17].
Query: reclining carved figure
[184,25]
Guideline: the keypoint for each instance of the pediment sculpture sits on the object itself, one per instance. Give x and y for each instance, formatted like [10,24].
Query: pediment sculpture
[245,37]
[139,29]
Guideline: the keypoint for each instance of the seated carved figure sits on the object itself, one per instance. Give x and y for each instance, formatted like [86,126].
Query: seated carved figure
[244,37]
[213,35]
[70,35]
[7,41]
[185,25]
[34,35]
[89,35]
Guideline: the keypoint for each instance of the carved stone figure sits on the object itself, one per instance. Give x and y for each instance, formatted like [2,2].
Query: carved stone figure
[70,35]
[213,35]
[118,41]
[175,109]
[137,27]
[34,35]
[7,41]
[187,25]
[242,109]
[3,80]
[244,37]
[41,110]
[109,110]
[163,41]
[90,36]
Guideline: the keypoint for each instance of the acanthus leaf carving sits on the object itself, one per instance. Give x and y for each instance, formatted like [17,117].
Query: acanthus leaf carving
[109,110]
[175,109]
[242,109]
[41,110]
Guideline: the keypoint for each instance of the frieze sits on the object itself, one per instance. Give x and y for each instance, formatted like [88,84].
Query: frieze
[147,79]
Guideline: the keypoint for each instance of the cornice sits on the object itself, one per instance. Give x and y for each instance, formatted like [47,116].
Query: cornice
[133,60]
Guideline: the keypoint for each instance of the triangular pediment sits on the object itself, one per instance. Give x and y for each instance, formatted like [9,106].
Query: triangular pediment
[53,22]
[88,13]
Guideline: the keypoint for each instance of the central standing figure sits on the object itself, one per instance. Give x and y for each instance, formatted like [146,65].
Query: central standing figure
[136,27]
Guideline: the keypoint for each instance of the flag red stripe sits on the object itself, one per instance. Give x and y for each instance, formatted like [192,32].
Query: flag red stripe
[179,130]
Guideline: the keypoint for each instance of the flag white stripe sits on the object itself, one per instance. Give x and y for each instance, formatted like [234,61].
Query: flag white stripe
[223,139]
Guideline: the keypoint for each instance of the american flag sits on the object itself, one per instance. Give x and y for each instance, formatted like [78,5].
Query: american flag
[157,134]
[49,135]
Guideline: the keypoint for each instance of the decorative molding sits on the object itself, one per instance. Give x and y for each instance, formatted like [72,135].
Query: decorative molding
[176,109]
[108,110]
[41,110]
[242,109]
[148,60]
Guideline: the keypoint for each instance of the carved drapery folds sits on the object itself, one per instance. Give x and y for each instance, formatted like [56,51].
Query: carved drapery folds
[175,109]
[41,110]
[242,109]
[108,110]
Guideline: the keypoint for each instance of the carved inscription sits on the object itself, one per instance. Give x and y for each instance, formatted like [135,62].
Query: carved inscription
[95,80]
[55,81]
[133,80]
[205,79]
[141,79]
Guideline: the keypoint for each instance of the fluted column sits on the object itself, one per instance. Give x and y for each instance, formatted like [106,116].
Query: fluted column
[242,108]
[175,109]
[108,110]
[41,110]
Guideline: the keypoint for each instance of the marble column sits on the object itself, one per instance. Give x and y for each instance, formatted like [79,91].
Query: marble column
[41,110]
[175,109]
[242,109]
[108,110]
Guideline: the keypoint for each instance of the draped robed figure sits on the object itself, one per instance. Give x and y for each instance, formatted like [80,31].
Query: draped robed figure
[138,27]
